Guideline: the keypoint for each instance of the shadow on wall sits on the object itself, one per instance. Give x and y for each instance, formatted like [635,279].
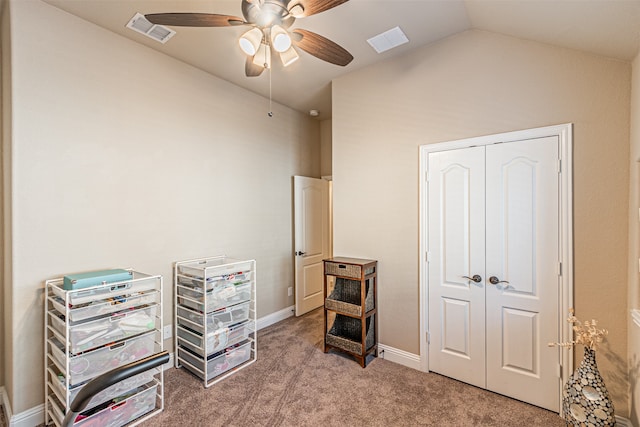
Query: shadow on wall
[622,379]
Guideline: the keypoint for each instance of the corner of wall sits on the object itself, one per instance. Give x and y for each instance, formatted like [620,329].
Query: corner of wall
[633,337]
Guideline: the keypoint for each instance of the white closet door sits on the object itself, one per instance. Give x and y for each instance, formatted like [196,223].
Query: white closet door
[456,249]
[523,249]
[494,212]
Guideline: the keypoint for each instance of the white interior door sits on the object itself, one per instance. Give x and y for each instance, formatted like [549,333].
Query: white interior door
[494,212]
[456,249]
[523,251]
[311,241]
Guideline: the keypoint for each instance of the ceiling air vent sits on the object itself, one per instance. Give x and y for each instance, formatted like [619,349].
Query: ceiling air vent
[388,40]
[159,33]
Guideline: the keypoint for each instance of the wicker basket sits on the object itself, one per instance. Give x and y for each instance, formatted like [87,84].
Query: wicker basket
[346,334]
[345,297]
[344,270]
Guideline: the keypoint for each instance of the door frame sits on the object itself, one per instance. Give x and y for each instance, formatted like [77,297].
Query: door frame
[564,132]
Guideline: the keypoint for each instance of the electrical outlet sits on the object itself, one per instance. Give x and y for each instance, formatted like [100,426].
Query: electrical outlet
[167,332]
[290,291]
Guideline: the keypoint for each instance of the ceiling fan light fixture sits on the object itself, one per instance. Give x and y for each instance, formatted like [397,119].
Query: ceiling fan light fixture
[280,39]
[263,56]
[289,56]
[250,41]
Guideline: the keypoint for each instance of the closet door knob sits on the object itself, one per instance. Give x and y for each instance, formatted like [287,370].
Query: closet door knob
[300,253]
[494,280]
[476,278]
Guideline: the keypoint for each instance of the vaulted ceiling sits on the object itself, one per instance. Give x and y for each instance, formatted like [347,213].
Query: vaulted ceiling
[605,27]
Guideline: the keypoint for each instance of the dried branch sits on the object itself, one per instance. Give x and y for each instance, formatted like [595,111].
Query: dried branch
[586,333]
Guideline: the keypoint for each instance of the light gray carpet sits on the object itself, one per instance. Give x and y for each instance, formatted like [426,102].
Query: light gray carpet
[293,383]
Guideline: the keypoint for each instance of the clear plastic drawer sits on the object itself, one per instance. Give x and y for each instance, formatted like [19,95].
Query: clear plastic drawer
[86,335]
[59,385]
[218,297]
[217,281]
[219,363]
[216,320]
[216,340]
[111,305]
[140,283]
[83,367]
[140,402]
[214,268]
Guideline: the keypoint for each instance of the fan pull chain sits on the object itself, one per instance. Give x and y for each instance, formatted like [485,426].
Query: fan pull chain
[270,113]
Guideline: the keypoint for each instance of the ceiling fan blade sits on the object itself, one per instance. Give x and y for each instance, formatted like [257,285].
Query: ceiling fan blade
[194,19]
[311,7]
[321,47]
[251,69]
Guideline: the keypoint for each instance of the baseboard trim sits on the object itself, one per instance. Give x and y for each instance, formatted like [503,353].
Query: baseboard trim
[401,357]
[29,418]
[276,317]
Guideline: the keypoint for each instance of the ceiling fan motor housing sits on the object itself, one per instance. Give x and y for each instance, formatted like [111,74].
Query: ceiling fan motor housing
[265,13]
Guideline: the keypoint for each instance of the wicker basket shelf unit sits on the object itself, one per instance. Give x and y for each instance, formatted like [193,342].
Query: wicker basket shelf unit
[350,308]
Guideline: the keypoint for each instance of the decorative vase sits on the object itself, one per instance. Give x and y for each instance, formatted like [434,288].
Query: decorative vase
[585,399]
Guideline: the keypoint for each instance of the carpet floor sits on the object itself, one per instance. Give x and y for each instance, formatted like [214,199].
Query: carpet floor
[294,383]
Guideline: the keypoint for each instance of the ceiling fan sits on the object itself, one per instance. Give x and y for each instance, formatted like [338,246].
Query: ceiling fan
[270,21]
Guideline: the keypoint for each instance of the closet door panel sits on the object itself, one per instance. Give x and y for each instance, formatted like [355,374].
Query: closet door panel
[456,249]
[522,241]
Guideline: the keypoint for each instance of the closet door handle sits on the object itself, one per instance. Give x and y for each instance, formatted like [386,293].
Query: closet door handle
[494,280]
[476,278]
[300,253]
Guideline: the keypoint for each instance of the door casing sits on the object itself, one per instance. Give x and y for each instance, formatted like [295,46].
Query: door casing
[564,132]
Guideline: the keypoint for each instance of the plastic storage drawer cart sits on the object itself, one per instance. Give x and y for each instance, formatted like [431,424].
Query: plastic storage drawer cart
[92,330]
[350,307]
[215,316]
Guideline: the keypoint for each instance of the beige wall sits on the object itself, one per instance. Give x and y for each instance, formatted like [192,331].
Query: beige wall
[125,157]
[634,244]
[473,84]
[325,147]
